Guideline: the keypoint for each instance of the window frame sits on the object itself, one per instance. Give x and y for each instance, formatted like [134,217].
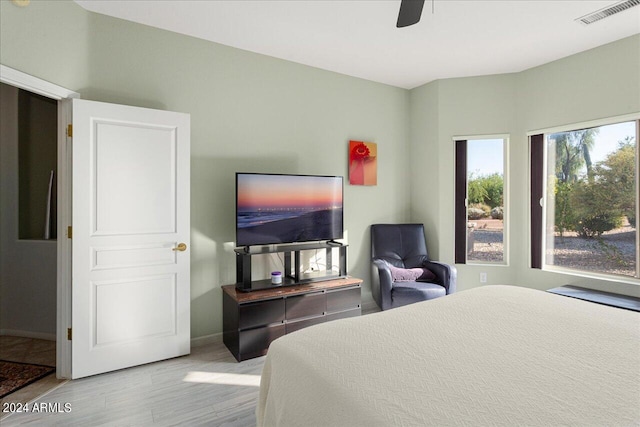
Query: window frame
[538,199]
[460,144]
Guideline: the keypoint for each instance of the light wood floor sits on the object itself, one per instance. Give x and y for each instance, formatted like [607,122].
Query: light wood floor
[207,387]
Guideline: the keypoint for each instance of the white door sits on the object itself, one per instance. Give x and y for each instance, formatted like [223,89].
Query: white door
[130,236]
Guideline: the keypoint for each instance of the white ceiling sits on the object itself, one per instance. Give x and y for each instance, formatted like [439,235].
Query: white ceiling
[359,38]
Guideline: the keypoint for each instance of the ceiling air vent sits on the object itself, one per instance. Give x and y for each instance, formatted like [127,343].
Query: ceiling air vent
[608,11]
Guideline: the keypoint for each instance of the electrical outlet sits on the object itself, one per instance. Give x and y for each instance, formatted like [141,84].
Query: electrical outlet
[483,277]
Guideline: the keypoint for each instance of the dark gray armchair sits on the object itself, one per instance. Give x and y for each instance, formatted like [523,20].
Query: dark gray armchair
[403,246]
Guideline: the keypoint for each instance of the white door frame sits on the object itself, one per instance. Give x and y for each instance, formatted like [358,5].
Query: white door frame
[25,81]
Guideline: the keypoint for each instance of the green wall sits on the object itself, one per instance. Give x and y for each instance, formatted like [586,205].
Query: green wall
[599,83]
[465,107]
[249,112]
[596,84]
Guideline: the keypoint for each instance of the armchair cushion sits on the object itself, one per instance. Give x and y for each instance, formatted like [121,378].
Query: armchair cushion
[404,293]
[411,274]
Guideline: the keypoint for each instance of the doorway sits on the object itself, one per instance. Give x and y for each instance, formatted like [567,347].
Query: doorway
[27,237]
[53,313]
[28,255]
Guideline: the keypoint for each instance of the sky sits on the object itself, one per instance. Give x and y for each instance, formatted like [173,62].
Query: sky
[485,156]
[608,137]
[607,141]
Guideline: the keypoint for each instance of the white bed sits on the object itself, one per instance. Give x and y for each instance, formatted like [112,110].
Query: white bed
[496,355]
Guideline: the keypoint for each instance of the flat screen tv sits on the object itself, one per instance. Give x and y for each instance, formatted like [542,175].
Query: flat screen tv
[276,208]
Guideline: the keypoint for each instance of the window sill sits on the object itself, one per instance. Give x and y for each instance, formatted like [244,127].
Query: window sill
[486,263]
[607,298]
[590,275]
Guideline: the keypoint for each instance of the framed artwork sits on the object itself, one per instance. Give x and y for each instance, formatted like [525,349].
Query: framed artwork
[363,163]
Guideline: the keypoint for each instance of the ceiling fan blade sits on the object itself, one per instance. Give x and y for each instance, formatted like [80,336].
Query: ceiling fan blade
[410,12]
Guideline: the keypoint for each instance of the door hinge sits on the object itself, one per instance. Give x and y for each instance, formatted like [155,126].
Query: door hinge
[70,130]
[69,232]
[69,334]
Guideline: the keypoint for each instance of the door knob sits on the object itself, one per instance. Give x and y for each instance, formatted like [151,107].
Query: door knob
[181,247]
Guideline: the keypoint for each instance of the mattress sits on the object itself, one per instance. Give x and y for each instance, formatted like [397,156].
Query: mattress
[489,356]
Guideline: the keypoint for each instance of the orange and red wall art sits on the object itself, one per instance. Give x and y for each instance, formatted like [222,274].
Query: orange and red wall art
[363,163]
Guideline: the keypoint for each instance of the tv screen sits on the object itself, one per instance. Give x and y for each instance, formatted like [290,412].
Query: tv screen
[273,208]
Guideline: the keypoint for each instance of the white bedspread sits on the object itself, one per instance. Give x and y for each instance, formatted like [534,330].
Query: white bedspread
[496,355]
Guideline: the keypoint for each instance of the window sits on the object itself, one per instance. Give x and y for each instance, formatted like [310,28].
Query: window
[480,207]
[584,199]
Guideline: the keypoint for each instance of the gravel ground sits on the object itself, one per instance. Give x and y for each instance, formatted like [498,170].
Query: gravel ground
[487,246]
[613,253]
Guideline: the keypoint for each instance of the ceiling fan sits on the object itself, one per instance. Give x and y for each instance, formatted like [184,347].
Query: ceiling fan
[410,12]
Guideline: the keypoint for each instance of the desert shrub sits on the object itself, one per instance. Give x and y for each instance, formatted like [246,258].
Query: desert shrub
[618,182]
[494,185]
[594,209]
[595,225]
[497,213]
[484,208]
[476,213]
[476,193]
[597,203]
[486,189]
[564,212]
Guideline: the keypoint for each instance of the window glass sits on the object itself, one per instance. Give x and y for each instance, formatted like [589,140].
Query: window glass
[485,200]
[591,199]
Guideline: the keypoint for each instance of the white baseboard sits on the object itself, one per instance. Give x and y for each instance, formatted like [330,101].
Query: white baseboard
[207,339]
[195,342]
[28,334]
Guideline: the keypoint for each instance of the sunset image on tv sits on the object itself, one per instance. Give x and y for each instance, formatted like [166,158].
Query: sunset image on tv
[287,208]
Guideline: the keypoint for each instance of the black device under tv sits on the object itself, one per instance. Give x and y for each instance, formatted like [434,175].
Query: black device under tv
[288,213]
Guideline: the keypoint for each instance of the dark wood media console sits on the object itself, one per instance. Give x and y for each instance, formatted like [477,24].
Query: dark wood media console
[252,320]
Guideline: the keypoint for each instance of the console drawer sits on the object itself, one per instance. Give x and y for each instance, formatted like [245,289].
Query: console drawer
[299,324]
[343,314]
[343,299]
[307,305]
[260,313]
[255,342]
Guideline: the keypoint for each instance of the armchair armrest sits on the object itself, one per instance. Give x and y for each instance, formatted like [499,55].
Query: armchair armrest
[445,273]
[381,283]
